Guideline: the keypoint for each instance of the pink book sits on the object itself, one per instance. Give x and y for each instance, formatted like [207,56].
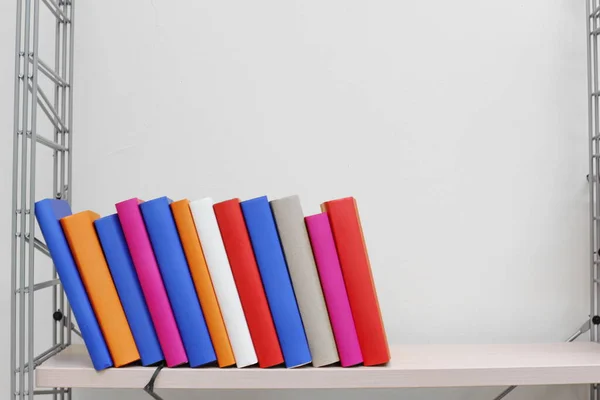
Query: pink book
[151,282]
[334,289]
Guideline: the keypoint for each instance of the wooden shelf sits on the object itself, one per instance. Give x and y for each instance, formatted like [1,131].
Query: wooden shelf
[411,366]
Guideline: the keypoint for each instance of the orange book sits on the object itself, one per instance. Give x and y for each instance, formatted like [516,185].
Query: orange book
[87,252]
[202,282]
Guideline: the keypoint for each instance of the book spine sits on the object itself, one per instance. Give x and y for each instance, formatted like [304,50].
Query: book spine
[247,279]
[334,290]
[202,281]
[305,279]
[151,282]
[92,266]
[128,287]
[48,212]
[222,278]
[356,269]
[276,281]
[178,281]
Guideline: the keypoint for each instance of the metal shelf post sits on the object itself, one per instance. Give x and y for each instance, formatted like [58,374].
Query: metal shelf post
[25,245]
[592,32]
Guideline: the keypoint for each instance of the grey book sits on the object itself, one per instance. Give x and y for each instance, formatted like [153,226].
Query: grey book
[289,219]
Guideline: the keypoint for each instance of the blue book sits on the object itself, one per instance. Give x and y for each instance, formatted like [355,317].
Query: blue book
[48,213]
[128,286]
[276,281]
[176,276]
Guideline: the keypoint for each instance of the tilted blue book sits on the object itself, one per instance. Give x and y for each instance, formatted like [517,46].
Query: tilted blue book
[128,286]
[176,276]
[276,281]
[48,212]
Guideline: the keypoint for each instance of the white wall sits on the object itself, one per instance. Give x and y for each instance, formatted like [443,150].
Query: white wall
[459,126]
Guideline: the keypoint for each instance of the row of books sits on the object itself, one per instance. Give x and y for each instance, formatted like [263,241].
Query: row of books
[236,283]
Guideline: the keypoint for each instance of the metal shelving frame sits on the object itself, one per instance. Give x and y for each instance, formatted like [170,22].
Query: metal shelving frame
[592,32]
[29,97]
[30,69]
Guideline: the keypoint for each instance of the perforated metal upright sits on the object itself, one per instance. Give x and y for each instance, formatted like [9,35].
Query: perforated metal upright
[30,69]
[593,30]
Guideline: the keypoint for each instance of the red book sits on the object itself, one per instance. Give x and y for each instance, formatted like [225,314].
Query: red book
[247,280]
[356,269]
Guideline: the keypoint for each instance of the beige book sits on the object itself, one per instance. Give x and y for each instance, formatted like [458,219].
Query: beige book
[289,219]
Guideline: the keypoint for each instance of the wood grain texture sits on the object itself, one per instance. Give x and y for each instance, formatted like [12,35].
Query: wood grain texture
[411,366]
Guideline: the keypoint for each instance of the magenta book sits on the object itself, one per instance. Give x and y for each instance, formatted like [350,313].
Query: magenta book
[334,289]
[151,281]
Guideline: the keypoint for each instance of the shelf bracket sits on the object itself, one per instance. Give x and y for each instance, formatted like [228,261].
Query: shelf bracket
[149,388]
[72,327]
[40,358]
[58,316]
[582,329]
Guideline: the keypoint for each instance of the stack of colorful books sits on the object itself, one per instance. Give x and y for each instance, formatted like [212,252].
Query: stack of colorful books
[233,283]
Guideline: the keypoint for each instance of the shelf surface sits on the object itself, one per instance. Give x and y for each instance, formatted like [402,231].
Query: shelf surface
[411,366]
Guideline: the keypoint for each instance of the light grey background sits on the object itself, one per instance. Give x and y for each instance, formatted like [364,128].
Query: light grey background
[460,127]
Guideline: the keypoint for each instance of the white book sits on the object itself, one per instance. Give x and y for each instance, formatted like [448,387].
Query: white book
[223,283]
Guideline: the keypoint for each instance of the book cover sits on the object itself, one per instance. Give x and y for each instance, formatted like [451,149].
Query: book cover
[334,289]
[276,281]
[128,287]
[202,281]
[247,280]
[151,282]
[289,219]
[176,276]
[222,279]
[93,269]
[48,213]
[356,269]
